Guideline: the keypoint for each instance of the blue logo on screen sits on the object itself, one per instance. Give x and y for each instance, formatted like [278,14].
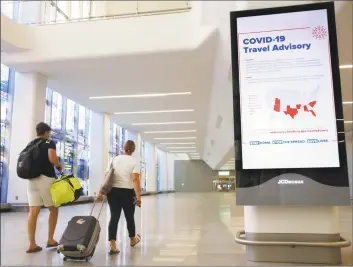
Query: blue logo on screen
[256,143]
[315,141]
[282,142]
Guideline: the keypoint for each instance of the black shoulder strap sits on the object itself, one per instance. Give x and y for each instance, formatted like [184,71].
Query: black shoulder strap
[41,141]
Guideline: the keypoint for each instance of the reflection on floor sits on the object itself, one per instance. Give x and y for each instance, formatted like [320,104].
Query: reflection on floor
[177,229]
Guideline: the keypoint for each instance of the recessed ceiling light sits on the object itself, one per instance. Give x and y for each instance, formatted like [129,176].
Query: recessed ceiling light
[164,123]
[183,151]
[180,131]
[189,143]
[174,138]
[347,102]
[183,147]
[139,96]
[153,111]
[346,66]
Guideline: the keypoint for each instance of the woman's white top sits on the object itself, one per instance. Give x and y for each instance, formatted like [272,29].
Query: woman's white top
[124,166]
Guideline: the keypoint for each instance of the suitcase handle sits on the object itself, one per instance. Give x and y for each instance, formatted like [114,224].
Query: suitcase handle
[100,211]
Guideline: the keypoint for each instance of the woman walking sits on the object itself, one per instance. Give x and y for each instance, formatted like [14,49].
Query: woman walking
[124,195]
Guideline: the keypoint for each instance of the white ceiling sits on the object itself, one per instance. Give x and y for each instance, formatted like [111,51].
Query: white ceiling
[182,71]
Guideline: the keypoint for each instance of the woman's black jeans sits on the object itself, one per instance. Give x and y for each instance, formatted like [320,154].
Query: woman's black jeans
[118,199]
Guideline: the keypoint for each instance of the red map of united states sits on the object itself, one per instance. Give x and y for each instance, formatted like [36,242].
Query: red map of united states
[293,111]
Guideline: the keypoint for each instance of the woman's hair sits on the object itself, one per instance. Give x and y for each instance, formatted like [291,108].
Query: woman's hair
[129,146]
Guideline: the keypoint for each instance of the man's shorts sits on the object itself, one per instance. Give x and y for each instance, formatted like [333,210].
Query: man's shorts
[39,191]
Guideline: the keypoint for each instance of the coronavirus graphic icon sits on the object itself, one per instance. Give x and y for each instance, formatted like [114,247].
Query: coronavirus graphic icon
[319,32]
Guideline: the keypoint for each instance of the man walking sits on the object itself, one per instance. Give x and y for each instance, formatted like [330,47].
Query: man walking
[39,188]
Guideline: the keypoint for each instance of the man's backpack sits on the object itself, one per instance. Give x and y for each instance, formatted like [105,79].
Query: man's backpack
[28,163]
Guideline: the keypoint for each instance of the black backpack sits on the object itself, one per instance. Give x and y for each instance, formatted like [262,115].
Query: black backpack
[28,163]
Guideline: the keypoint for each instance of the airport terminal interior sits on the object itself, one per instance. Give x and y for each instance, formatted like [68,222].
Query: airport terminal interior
[160,73]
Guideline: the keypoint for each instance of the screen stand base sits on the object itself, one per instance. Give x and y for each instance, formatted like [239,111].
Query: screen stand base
[287,234]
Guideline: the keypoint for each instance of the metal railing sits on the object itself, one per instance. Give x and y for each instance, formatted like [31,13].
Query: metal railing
[55,12]
[338,244]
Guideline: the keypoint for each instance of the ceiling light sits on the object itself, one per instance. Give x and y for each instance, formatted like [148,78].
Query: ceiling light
[174,138]
[140,96]
[346,66]
[164,123]
[183,151]
[181,131]
[347,102]
[153,112]
[190,143]
[183,147]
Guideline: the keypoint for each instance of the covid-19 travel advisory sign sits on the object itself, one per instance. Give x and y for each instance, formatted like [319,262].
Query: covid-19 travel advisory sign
[288,107]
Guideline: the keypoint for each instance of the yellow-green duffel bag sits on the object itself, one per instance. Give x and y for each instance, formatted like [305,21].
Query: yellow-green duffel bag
[65,189]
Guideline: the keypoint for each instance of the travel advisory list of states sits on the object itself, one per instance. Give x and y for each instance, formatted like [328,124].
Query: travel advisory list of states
[287,104]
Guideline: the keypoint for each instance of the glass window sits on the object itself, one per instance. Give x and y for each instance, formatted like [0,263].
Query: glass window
[72,144]
[4,91]
[82,125]
[56,111]
[70,118]
[75,10]
[48,105]
[64,6]
[86,9]
[5,123]
[7,8]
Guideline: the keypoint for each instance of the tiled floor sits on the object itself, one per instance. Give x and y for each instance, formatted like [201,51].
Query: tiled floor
[177,229]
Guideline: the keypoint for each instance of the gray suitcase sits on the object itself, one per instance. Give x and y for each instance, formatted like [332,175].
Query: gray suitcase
[80,237]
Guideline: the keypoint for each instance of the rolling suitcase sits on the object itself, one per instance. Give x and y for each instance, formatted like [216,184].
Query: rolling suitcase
[81,237]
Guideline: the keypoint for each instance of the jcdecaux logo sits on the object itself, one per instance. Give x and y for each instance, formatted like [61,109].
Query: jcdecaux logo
[284,181]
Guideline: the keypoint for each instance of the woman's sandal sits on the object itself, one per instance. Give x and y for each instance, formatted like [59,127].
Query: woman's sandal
[114,252]
[137,240]
[34,250]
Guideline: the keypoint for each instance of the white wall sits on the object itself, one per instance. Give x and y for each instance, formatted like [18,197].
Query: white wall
[135,35]
[15,37]
[28,110]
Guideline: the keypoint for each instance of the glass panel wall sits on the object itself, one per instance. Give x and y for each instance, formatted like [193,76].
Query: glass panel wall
[117,140]
[70,125]
[7,85]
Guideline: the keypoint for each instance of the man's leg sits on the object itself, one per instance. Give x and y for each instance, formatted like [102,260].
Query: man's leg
[32,225]
[46,183]
[35,202]
[53,219]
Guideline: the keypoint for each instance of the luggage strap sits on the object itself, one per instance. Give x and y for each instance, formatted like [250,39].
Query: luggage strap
[100,210]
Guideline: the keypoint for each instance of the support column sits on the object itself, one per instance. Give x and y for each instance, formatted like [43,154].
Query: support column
[308,224]
[170,170]
[151,167]
[99,150]
[28,110]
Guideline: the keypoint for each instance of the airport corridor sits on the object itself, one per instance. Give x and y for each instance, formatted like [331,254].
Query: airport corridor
[177,229]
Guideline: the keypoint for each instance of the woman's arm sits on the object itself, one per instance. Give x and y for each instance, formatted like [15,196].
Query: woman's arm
[137,187]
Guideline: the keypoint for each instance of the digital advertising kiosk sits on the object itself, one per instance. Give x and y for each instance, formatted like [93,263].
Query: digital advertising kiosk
[291,162]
